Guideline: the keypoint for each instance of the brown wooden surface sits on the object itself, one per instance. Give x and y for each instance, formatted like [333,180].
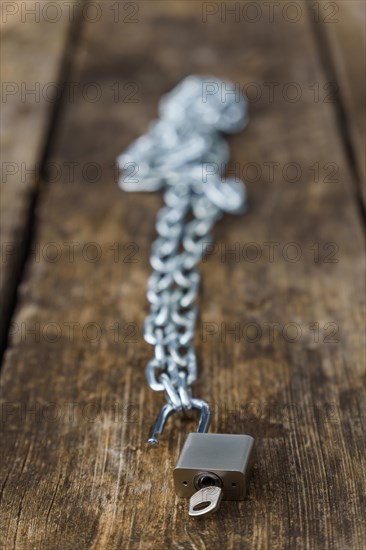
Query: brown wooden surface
[72,478]
[346,40]
[32,49]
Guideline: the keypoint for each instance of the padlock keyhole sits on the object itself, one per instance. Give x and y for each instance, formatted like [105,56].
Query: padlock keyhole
[207,479]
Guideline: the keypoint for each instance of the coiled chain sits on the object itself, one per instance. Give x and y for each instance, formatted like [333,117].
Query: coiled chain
[183,153]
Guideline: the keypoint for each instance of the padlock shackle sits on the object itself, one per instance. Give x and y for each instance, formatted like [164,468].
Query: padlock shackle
[168,409]
[205,416]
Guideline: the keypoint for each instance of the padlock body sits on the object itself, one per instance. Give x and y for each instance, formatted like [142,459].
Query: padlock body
[227,457]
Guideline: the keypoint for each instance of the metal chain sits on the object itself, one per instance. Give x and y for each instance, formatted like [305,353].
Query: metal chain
[184,154]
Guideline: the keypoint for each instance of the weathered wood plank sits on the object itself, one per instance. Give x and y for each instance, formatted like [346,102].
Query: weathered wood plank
[32,47]
[74,479]
[344,24]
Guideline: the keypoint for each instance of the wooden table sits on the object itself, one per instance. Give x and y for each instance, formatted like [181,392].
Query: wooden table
[280,337]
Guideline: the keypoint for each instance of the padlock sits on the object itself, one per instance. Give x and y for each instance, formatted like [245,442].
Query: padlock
[208,461]
[211,467]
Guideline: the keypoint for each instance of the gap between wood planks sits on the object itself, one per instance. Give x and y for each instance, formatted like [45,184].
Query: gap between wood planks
[66,67]
[341,115]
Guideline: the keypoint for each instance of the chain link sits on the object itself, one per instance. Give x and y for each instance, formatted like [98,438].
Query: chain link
[183,153]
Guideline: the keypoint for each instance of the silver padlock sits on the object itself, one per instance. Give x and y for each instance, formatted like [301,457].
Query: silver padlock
[211,467]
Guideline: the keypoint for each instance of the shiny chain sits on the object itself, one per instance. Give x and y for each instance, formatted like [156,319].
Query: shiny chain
[184,154]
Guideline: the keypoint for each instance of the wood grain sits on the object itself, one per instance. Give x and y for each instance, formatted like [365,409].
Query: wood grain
[76,408]
[343,24]
[32,48]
